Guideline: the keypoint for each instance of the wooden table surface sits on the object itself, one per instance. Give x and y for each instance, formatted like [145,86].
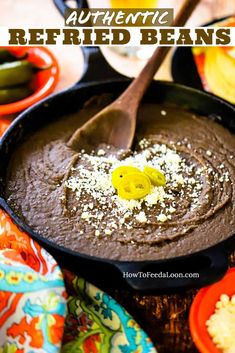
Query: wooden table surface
[165,317]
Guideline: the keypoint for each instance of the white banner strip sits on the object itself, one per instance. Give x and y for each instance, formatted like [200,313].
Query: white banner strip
[112,36]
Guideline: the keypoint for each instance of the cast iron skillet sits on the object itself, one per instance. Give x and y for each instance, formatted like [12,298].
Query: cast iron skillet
[183,66]
[211,263]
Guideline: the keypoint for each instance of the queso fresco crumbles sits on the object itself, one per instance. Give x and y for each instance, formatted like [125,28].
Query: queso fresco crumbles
[173,194]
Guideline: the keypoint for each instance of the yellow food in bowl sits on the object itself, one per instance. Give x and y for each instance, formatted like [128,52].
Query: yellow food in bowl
[216,66]
[220,73]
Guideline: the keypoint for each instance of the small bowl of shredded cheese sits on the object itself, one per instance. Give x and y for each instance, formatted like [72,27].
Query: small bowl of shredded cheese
[212,316]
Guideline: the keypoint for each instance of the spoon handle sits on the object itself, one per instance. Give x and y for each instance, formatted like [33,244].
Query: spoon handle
[133,95]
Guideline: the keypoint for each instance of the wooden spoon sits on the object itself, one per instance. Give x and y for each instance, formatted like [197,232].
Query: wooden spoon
[115,124]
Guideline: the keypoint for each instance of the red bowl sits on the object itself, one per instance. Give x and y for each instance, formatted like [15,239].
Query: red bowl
[203,307]
[43,82]
[5,122]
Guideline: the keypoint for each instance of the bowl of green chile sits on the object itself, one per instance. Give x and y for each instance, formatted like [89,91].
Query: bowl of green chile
[8,56]
[20,82]
[16,74]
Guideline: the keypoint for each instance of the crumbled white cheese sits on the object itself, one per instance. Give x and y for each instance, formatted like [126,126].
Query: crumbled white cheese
[192,181]
[157,194]
[101,152]
[100,216]
[171,209]
[141,217]
[108,232]
[179,179]
[85,215]
[162,218]
[221,324]
[101,207]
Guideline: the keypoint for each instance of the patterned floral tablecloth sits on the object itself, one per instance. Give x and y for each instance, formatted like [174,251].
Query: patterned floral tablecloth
[39,314]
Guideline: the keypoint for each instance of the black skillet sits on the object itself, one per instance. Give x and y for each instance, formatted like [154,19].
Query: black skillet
[183,66]
[211,263]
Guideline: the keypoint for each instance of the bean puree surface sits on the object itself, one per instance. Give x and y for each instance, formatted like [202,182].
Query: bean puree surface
[68,197]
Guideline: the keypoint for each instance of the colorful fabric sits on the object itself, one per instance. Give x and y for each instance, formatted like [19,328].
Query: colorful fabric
[97,323]
[32,294]
[33,305]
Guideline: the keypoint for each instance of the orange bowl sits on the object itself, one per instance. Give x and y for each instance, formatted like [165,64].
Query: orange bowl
[43,82]
[203,307]
[4,124]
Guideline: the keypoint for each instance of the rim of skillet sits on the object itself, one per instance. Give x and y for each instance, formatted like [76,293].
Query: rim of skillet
[37,237]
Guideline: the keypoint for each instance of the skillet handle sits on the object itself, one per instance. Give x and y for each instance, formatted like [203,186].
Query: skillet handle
[96,67]
[62,6]
[208,267]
